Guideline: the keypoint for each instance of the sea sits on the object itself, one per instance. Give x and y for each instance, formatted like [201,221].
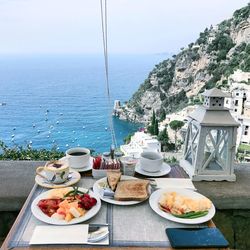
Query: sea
[60,101]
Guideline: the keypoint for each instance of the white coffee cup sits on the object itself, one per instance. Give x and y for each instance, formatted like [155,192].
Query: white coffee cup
[78,157]
[151,161]
[54,171]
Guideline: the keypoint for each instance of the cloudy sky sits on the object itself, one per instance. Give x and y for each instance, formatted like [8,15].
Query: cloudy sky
[135,26]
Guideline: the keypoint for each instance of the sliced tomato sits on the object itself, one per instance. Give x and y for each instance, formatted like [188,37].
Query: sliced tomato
[164,208]
[49,206]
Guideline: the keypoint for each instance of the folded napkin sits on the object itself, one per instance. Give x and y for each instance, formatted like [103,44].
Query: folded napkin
[174,183]
[70,234]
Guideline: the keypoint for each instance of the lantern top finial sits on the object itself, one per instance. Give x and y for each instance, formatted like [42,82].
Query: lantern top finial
[214,99]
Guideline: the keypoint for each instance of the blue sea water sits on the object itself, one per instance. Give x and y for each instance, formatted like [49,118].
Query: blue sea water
[61,101]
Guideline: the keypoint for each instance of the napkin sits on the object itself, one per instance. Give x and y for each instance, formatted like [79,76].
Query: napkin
[69,234]
[174,183]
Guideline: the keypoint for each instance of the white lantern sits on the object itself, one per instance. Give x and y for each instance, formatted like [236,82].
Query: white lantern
[210,142]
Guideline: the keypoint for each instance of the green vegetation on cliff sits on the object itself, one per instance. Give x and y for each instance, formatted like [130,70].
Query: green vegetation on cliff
[176,82]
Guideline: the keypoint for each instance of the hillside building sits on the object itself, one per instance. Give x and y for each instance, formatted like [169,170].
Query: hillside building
[117,109]
[141,142]
[239,103]
[117,104]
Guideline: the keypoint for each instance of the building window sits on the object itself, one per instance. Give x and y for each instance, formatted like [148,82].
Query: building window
[245,133]
[235,110]
[227,102]
[237,94]
[236,102]
[246,127]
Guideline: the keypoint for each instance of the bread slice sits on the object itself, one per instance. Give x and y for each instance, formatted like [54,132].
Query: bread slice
[132,190]
[113,177]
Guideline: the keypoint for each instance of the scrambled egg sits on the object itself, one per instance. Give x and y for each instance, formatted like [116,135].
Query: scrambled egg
[180,204]
[58,193]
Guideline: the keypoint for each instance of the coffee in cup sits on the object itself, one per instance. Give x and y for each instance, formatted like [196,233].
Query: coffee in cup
[78,157]
[54,171]
[151,161]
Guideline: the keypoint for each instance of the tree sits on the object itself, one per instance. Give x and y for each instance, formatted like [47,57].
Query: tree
[222,55]
[151,127]
[163,115]
[247,48]
[127,139]
[164,139]
[153,118]
[156,127]
[176,126]
[246,65]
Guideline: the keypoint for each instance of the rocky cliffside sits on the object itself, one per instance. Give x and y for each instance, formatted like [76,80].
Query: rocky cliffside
[176,82]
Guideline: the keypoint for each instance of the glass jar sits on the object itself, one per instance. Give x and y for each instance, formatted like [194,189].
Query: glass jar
[118,155]
[106,155]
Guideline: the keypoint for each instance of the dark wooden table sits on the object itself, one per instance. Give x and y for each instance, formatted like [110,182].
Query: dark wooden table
[176,172]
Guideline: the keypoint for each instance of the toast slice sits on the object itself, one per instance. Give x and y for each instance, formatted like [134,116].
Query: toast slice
[113,177]
[132,190]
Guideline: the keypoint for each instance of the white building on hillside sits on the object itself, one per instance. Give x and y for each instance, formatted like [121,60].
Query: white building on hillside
[141,142]
[239,77]
[239,103]
[117,104]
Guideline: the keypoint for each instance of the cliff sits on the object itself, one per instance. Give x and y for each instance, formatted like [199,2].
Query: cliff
[177,82]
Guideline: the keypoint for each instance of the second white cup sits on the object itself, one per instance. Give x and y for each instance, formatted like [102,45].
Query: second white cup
[151,161]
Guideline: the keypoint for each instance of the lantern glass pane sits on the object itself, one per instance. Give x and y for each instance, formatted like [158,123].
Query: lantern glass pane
[192,146]
[216,150]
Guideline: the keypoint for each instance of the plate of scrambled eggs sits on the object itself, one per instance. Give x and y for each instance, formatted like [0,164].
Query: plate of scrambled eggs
[182,206]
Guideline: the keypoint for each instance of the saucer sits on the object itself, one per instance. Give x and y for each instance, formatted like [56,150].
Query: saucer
[83,169]
[75,177]
[165,169]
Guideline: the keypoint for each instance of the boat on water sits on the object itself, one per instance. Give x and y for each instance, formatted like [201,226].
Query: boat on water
[3,103]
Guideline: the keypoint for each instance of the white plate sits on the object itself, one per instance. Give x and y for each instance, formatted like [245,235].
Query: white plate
[97,190]
[37,212]
[154,198]
[75,177]
[84,169]
[165,169]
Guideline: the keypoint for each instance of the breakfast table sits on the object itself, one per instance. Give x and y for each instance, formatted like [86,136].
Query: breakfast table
[130,227]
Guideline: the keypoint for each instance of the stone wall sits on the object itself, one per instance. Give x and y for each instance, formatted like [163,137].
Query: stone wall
[6,221]
[235,225]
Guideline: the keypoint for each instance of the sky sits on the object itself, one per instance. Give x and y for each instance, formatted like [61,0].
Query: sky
[134,26]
